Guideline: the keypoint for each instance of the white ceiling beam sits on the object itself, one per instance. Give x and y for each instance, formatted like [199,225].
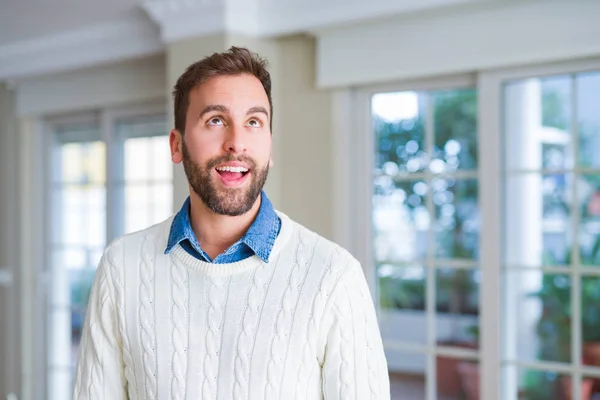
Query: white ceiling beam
[79,48]
[281,18]
[180,19]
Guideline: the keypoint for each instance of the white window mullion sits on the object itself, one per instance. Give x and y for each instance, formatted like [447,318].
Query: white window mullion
[489,138]
[576,346]
[114,172]
[430,303]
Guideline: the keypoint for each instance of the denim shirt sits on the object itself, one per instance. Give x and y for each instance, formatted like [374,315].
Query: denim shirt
[258,240]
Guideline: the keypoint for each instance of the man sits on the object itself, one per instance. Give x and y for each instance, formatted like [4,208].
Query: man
[229,298]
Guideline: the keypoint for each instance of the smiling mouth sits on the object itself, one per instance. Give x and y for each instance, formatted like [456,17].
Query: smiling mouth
[232,174]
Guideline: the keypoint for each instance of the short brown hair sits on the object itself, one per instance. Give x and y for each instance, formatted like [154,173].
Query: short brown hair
[235,61]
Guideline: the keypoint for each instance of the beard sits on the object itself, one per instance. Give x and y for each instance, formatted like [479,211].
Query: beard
[222,200]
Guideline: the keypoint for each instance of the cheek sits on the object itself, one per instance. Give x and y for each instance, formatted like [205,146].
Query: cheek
[263,151]
[200,149]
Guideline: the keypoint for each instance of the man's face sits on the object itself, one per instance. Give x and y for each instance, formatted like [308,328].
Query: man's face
[226,148]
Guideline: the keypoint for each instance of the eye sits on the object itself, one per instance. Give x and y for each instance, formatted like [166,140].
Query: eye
[215,121]
[255,123]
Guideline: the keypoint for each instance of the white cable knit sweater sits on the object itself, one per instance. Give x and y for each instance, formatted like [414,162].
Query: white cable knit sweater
[162,326]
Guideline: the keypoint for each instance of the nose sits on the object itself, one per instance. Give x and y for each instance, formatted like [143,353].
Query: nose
[235,141]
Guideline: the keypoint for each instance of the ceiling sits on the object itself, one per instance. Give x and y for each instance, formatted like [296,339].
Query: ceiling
[45,36]
[29,19]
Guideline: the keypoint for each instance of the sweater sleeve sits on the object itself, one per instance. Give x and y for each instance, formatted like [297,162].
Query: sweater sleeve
[354,364]
[100,369]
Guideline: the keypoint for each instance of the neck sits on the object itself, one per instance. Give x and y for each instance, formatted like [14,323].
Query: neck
[215,232]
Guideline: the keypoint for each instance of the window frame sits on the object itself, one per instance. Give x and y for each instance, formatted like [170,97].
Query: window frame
[105,119]
[353,150]
[491,113]
[360,148]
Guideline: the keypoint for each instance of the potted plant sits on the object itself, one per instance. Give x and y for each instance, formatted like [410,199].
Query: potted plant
[469,371]
[554,325]
[454,289]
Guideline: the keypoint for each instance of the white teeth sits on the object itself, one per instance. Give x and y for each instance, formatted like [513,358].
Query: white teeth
[232,169]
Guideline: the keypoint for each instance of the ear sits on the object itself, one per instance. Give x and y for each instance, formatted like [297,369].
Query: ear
[271,162]
[176,142]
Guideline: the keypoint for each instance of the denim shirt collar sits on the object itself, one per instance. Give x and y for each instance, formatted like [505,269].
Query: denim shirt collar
[259,239]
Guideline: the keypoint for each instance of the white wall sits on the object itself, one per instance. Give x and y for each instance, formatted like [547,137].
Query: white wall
[110,85]
[458,40]
[305,115]
[9,232]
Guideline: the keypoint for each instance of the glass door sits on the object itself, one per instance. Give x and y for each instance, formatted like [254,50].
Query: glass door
[111,175]
[551,236]
[78,236]
[425,224]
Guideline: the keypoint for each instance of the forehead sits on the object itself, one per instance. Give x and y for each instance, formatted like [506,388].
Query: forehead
[230,90]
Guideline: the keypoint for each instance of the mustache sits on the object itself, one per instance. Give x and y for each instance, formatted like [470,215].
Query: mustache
[231,158]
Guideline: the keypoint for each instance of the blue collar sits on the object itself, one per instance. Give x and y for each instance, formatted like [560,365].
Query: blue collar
[258,240]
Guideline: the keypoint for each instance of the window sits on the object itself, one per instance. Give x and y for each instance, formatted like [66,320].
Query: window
[552,236]
[426,234]
[110,175]
[482,218]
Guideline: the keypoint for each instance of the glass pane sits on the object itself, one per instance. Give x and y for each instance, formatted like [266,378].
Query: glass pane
[146,147]
[590,319]
[142,126]
[81,285]
[137,207]
[537,124]
[538,316]
[457,317]
[70,258]
[83,212]
[455,118]
[64,261]
[136,220]
[457,217]
[72,267]
[530,384]
[590,387]
[400,220]
[77,321]
[457,379]
[398,123]
[537,219]
[588,187]
[137,159]
[82,163]
[60,346]
[136,197]
[60,383]
[95,256]
[588,111]
[162,167]
[402,298]
[161,197]
[407,374]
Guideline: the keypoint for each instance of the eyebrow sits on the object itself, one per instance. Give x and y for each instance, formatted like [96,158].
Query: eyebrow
[255,110]
[213,107]
[223,109]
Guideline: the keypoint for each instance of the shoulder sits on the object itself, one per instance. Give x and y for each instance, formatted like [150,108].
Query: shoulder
[325,256]
[133,244]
